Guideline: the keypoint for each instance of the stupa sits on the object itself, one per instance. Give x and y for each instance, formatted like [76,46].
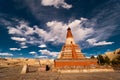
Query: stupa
[71,54]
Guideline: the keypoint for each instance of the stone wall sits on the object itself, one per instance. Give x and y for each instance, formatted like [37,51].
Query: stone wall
[86,70]
[65,63]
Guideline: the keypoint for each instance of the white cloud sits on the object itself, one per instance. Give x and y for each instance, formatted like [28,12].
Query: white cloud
[24,46]
[56,3]
[49,53]
[91,41]
[18,39]
[94,42]
[42,33]
[56,33]
[103,24]
[45,51]
[25,34]
[36,56]
[13,30]
[15,49]
[21,29]
[58,30]
[79,32]
[103,43]
[23,43]
[6,54]
[33,53]
[42,46]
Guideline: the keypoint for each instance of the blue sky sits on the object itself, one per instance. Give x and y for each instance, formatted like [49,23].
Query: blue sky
[37,28]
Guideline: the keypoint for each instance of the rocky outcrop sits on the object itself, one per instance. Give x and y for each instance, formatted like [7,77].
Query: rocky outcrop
[24,69]
[113,55]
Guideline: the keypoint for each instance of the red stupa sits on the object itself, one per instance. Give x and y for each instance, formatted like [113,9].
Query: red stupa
[71,54]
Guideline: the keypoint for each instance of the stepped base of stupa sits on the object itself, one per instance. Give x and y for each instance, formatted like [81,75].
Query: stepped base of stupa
[59,63]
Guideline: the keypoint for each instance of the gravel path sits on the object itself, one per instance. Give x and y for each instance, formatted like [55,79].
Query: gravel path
[13,73]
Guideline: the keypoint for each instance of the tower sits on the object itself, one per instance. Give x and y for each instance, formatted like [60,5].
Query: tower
[71,55]
[70,50]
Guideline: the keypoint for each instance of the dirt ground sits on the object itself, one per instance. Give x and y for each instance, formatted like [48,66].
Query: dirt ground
[13,73]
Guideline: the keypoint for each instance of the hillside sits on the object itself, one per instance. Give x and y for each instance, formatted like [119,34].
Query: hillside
[113,55]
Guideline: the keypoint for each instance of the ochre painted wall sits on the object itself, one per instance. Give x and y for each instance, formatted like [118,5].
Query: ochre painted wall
[75,63]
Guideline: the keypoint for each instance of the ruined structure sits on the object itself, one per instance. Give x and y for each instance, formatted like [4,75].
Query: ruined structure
[71,55]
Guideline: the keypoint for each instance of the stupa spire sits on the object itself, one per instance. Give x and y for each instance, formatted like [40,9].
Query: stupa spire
[69,33]
[69,37]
